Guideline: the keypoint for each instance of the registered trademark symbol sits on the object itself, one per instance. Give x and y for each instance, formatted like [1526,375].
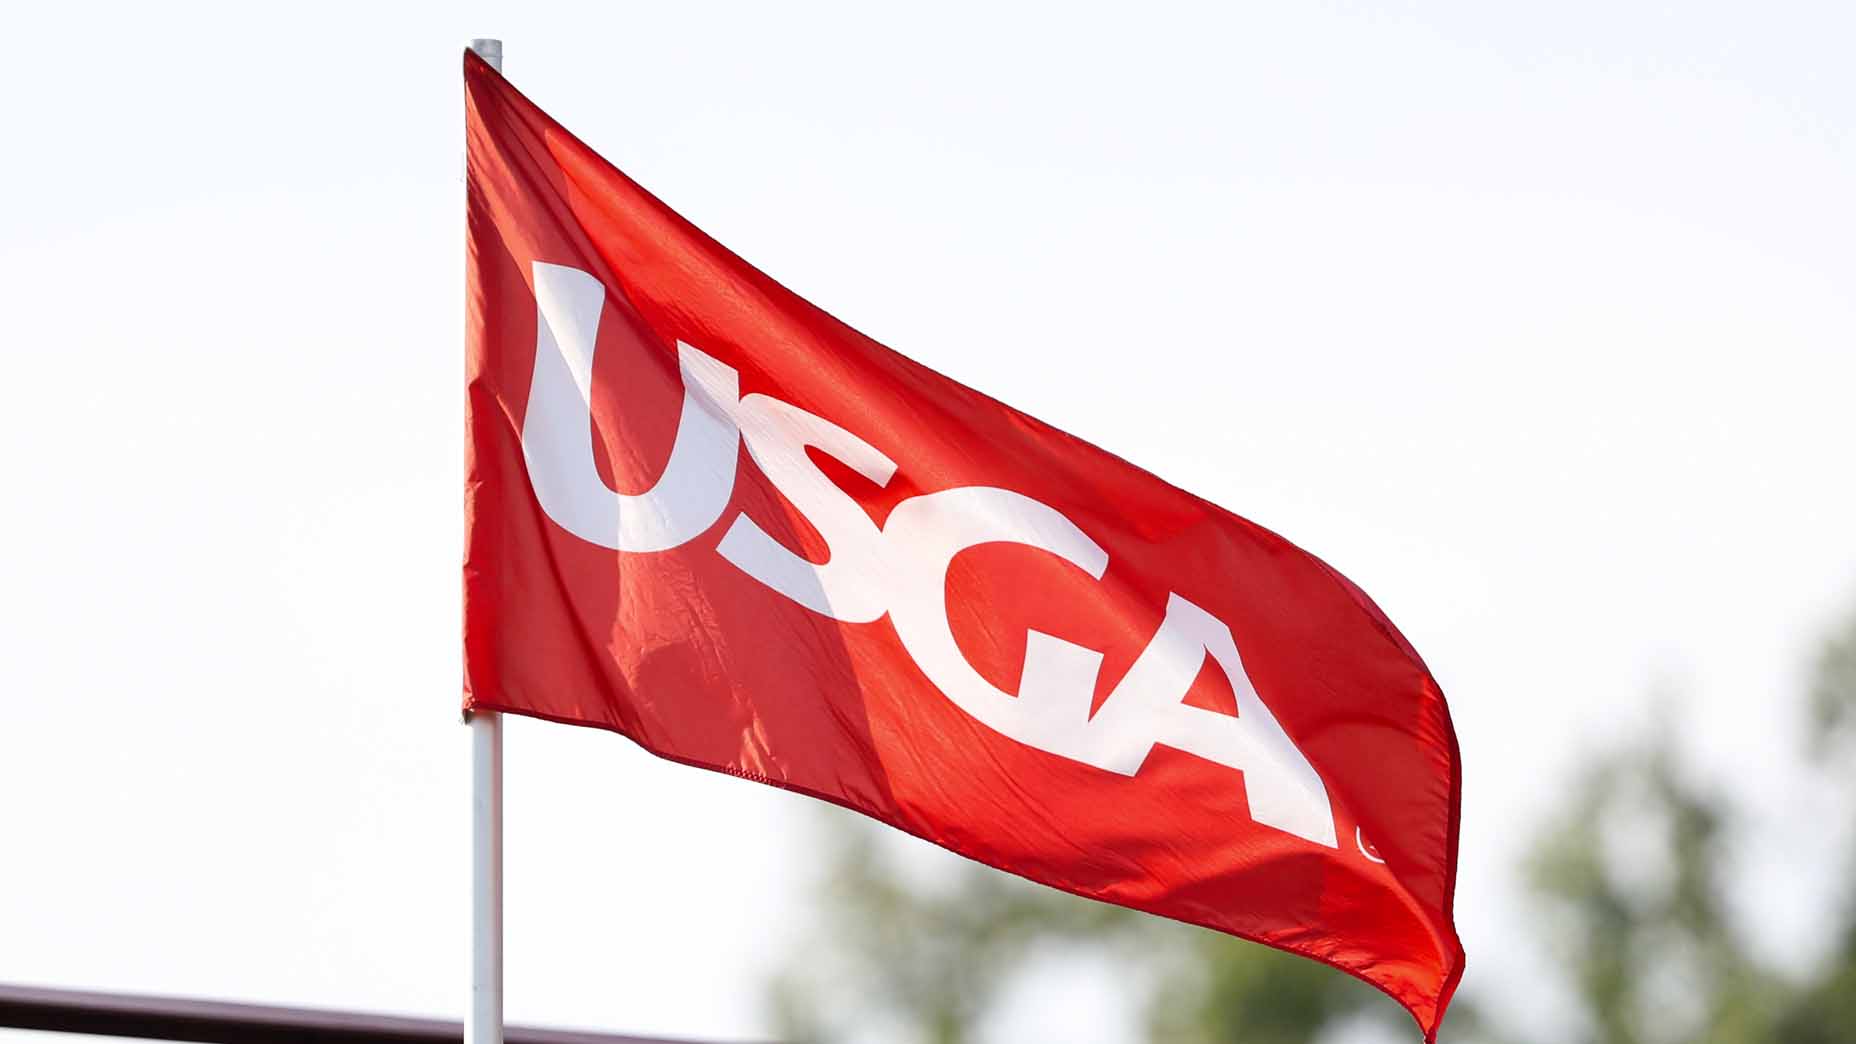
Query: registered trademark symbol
[1366,849]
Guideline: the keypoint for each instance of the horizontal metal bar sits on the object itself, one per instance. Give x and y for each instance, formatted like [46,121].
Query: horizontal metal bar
[220,1022]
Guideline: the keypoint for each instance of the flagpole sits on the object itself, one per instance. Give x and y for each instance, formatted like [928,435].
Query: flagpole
[483,1024]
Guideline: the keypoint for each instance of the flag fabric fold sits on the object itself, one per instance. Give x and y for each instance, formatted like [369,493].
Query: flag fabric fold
[704,514]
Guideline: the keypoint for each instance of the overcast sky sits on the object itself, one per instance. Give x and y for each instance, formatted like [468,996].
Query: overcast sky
[1538,325]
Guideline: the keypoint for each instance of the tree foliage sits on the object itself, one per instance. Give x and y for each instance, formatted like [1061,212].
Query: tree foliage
[1645,932]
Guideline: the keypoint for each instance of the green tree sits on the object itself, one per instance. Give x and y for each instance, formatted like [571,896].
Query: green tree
[1824,1011]
[1653,955]
[1646,935]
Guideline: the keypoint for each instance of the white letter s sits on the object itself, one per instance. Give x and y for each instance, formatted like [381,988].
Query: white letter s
[848,587]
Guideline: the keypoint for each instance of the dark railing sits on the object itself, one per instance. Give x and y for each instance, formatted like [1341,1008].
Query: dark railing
[219,1022]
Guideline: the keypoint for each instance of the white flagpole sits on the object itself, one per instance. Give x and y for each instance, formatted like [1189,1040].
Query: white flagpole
[484,1022]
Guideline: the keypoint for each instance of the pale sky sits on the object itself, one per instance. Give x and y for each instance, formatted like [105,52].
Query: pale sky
[1538,325]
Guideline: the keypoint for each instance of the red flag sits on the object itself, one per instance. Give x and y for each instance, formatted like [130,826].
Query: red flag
[706,515]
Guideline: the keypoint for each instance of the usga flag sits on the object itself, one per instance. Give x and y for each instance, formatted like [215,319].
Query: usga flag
[706,515]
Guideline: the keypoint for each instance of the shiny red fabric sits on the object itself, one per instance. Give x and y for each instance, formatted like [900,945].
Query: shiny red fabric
[696,661]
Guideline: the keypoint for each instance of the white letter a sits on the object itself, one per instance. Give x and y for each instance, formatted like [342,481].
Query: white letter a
[1147,707]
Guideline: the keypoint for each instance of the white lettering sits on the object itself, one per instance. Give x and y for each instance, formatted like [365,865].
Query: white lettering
[1146,707]
[557,436]
[1051,710]
[900,569]
[847,586]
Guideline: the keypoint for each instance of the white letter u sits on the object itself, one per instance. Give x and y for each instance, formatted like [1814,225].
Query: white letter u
[557,432]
